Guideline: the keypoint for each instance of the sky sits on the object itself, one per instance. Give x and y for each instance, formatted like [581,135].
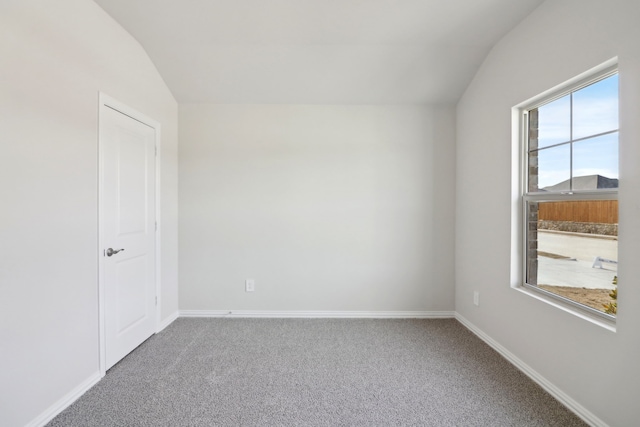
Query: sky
[595,110]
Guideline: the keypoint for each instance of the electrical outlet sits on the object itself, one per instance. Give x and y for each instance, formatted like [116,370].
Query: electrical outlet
[476,298]
[250,285]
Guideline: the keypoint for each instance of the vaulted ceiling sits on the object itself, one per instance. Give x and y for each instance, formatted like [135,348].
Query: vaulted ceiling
[318,51]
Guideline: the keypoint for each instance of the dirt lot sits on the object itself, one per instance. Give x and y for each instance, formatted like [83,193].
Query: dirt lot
[594,298]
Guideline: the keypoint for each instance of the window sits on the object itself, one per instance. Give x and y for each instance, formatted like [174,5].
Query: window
[570,194]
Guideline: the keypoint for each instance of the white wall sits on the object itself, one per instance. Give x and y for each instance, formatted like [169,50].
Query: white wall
[337,208]
[597,368]
[54,59]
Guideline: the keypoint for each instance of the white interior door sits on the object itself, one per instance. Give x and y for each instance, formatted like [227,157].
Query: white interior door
[128,232]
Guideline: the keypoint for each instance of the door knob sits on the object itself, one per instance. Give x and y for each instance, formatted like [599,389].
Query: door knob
[113,251]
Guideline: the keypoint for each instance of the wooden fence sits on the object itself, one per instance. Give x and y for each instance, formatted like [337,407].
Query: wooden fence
[597,211]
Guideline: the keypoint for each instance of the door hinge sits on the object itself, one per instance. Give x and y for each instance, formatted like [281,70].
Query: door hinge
[156,225]
[156,300]
[156,150]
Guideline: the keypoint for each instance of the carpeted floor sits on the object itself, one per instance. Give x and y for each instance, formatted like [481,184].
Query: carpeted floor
[315,372]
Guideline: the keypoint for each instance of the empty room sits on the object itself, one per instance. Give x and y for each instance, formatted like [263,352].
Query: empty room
[319,213]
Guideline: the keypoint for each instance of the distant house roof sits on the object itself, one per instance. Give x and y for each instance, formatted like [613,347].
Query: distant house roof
[588,182]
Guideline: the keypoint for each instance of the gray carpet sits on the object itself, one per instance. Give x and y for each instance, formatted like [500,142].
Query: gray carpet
[315,372]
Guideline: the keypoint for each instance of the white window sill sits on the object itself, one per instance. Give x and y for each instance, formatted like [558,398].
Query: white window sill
[609,324]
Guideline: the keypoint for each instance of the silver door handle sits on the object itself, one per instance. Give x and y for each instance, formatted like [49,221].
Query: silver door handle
[113,251]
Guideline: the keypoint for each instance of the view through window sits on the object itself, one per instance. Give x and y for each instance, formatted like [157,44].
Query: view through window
[571,200]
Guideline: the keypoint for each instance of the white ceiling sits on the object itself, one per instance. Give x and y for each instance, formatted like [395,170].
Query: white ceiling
[318,51]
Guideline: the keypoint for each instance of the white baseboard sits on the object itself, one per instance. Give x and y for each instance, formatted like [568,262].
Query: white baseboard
[561,396]
[321,314]
[65,402]
[169,320]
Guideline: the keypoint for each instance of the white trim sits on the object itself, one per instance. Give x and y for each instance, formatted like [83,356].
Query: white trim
[321,314]
[547,385]
[108,102]
[569,307]
[573,84]
[65,402]
[169,320]
[158,257]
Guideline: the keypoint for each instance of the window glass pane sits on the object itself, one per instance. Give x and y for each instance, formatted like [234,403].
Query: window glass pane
[572,249]
[595,163]
[554,122]
[595,108]
[553,169]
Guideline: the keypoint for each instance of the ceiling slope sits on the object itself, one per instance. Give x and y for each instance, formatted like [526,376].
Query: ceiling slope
[318,51]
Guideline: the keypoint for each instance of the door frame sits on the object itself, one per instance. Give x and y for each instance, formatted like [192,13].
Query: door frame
[105,102]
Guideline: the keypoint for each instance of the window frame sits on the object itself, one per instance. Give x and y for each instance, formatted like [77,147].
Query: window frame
[521,120]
